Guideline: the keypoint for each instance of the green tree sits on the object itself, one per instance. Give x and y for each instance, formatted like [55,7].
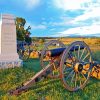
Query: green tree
[22,33]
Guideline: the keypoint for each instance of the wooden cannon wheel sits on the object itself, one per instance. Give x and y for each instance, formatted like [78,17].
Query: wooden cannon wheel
[44,60]
[75,66]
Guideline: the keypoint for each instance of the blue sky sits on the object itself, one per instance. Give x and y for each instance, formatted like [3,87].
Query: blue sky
[57,18]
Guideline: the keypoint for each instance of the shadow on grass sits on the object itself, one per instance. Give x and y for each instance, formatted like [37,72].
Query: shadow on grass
[96,56]
[32,65]
[93,81]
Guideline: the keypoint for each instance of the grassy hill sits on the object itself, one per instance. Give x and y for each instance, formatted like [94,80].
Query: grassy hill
[48,89]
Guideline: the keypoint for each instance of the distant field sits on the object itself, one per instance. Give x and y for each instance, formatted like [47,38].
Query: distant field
[94,43]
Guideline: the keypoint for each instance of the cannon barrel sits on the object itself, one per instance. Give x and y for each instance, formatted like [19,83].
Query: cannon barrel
[59,51]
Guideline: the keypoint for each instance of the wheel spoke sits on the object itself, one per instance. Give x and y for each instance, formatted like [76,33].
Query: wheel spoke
[86,56]
[82,53]
[68,69]
[80,79]
[80,82]
[73,77]
[90,59]
[71,57]
[70,74]
[78,52]
[83,75]
[75,53]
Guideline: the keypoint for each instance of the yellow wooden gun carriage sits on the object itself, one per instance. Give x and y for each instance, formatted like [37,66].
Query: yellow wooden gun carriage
[73,64]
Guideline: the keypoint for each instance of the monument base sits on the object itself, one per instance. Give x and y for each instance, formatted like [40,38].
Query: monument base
[11,64]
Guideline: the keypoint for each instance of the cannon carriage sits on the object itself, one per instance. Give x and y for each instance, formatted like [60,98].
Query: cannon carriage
[73,64]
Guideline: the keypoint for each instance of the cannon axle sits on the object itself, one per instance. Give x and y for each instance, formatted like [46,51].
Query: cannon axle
[78,67]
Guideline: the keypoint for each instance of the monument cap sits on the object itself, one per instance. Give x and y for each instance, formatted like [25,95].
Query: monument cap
[8,18]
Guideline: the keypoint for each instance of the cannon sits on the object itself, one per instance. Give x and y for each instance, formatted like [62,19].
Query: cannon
[73,64]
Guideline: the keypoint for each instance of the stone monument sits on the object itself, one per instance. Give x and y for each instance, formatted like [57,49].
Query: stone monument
[8,44]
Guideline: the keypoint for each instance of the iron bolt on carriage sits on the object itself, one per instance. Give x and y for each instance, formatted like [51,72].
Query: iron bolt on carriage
[73,64]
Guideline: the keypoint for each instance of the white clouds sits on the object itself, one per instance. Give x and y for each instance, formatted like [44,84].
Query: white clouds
[64,21]
[42,27]
[71,4]
[92,13]
[30,4]
[91,17]
[82,31]
[91,8]
[36,27]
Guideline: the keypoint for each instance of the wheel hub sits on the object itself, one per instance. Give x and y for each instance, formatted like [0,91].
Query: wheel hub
[78,67]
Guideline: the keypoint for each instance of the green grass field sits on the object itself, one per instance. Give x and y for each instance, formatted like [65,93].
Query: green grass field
[48,89]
